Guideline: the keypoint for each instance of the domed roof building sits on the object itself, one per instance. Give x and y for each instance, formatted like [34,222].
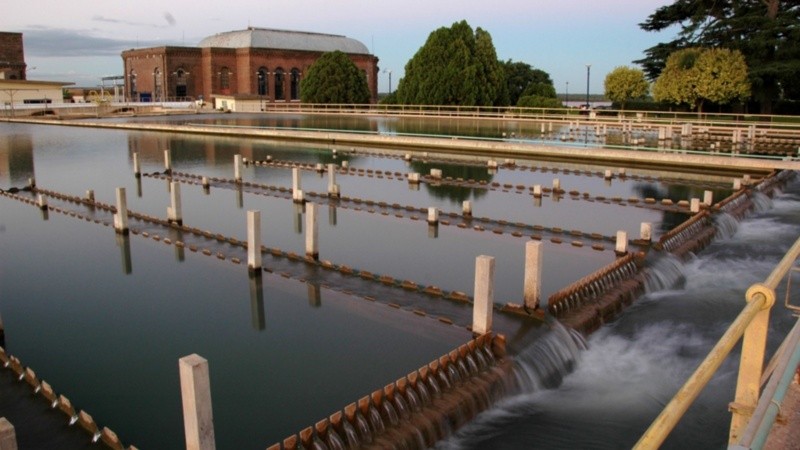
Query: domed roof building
[260,64]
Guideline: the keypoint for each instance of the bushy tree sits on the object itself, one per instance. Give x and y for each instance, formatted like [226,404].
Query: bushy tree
[624,84]
[538,101]
[456,66]
[692,76]
[522,79]
[722,76]
[767,32]
[334,78]
[676,84]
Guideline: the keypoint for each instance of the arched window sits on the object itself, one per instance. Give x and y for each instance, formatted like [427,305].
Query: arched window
[180,83]
[295,84]
[224,80]
[157,85]
[279,94]
[134,92]
[261,87]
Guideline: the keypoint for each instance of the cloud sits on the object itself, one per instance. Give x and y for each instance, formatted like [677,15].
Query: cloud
[57,42]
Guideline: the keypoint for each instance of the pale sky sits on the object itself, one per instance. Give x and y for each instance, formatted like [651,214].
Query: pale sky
[81,40]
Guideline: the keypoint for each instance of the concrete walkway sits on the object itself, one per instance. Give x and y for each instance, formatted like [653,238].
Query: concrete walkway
[640,157]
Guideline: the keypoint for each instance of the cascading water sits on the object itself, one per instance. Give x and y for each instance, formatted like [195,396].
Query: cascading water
[545,363]
[726,225]
[665,271]
[635,365]
[760,202]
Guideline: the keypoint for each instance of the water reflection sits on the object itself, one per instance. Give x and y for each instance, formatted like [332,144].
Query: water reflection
[16,159]
[314,294]
[257,300]
[124,244]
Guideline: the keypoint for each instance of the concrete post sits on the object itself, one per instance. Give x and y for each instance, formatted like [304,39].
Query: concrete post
[312,231]
[90,195]
[167,161]
[137,169]
[622,242]
[607,174]
[646,231]
[436,174]
[206,184]
[533,274]
[484,295]
[8,437]
[694,205]
[254,240]
[31,183]
[537,190]
[198,420]
[333,189]
[708,198]
[121,217]
[466,208]
[556,184]
[433,215]
[237,168]
[174,212]
[297,193]
[41,201]
[737,184]
[413,178]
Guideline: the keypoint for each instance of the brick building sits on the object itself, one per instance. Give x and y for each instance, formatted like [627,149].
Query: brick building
[12,56]
[252,64]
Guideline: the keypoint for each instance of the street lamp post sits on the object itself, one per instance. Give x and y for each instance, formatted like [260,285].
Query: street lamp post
[567,102]
[588,68]
[390,79]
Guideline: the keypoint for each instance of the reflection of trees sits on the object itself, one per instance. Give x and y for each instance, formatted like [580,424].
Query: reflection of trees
[456,194]
[676,193]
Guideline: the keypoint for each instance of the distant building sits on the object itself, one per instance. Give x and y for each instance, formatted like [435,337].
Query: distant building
[253,64]
[12,56]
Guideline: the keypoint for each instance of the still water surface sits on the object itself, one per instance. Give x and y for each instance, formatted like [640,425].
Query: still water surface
[109,336]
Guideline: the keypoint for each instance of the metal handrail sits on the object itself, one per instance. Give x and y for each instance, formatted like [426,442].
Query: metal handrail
[752,323]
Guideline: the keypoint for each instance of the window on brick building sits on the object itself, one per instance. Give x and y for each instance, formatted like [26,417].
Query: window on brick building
[134,93]
[225,79]
[279,75]
[157,84]
[181,81]
[261,80]
[295,84]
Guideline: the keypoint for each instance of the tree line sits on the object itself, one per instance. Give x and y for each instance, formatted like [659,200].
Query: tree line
[728,53]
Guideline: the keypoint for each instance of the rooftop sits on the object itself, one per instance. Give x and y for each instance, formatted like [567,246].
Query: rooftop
[284,40]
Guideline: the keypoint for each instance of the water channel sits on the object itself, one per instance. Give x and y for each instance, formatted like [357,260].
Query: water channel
[105,319]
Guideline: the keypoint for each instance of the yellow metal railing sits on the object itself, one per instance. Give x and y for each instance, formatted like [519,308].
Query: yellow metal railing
[751,325]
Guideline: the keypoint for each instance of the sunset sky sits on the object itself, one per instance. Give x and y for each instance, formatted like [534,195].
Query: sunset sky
[81,40]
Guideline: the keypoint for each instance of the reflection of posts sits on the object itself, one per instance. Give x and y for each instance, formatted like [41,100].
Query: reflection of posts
[298,218]
[314,295]
[332,215]
[239,196]
[124,244]
[257,300]
[8,437]
[177,236]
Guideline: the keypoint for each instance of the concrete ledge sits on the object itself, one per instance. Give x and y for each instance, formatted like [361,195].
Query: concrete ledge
[639,157]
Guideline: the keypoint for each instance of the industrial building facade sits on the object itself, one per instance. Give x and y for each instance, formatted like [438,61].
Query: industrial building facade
[12,56]
[252,64]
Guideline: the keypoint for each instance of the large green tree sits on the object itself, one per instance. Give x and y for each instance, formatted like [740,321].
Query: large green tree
[693,76]
[522,79]
[624,84]
[456,66]
[334,78]
[767,32]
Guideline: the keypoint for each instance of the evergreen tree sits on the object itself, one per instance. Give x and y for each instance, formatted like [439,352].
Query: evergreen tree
[456,66]
[333,78]
[522,79]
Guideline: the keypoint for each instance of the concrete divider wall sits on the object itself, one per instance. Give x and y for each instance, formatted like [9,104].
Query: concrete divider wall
[420,408]
[41,389]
